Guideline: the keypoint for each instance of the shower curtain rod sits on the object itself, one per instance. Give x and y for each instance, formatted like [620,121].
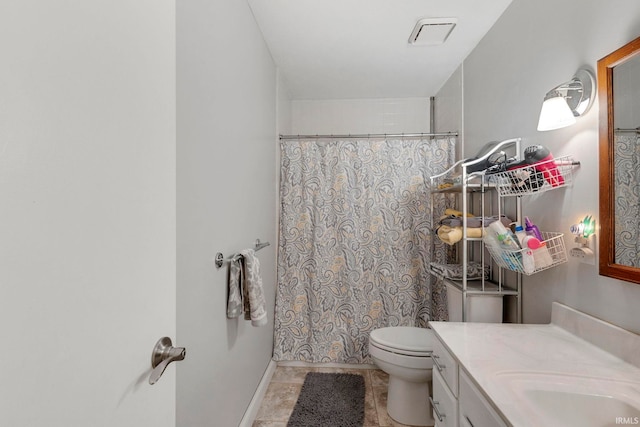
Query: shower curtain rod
[368,135]
[637,130]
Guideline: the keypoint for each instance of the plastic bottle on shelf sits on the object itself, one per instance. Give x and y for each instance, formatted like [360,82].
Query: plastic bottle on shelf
[528,259]
[541,256]
[505,246]
[520,234]
[532,229]
[505,237]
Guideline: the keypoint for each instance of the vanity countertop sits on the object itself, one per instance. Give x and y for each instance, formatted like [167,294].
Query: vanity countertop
[574,350]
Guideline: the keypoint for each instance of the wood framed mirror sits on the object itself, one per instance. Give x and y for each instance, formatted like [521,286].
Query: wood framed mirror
[619,98]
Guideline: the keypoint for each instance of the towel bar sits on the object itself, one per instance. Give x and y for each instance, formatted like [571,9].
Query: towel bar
[220,259]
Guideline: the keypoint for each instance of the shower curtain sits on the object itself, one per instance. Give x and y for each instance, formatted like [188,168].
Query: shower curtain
[627,199]
[354,245]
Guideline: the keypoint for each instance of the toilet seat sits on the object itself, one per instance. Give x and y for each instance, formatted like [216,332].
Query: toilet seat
[406,340]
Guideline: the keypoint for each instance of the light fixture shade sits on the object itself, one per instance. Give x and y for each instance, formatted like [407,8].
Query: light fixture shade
[555,113]
[566,102]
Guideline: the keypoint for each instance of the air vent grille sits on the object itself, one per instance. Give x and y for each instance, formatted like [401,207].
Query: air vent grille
[432,31]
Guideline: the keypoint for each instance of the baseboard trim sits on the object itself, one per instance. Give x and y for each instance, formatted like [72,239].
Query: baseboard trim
[254,406]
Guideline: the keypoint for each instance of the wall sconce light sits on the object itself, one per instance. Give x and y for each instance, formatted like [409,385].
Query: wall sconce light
[583,232]
[564,103]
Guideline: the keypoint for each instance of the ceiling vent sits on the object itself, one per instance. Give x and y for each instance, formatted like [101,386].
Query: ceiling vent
[432,31]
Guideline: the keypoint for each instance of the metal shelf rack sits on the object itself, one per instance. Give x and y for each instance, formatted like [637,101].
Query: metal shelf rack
[467,185]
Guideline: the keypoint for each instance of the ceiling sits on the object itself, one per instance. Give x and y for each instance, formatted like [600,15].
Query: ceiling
[342,49]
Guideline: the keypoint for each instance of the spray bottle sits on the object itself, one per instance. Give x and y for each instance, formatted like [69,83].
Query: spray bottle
[532,229]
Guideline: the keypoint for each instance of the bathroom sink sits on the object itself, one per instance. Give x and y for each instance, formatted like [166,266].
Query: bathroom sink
[566,409]
[575,400]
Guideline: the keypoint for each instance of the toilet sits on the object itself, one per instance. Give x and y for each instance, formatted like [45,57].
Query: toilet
[404,353]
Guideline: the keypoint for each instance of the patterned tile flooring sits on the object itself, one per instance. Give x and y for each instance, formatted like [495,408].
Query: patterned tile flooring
[283,390]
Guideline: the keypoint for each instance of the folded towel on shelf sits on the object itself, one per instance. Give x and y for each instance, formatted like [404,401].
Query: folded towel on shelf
[454,212]
[254,303]
[235,305]
[452,235]
[475,270]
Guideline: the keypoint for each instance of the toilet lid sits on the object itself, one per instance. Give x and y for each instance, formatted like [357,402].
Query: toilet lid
[404,338]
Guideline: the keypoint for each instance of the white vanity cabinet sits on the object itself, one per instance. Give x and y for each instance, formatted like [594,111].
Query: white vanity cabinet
[445,387]
[456,400]
[496,375]
[473,408]
[444,403]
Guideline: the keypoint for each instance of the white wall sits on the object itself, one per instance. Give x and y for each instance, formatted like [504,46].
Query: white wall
[87,216]
[226,90]
[359,116]
[532,48]
[448,109]
[284,108]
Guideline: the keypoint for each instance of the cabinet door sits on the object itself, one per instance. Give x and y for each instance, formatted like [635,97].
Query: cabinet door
[475,411]
[445,405]
[446,365]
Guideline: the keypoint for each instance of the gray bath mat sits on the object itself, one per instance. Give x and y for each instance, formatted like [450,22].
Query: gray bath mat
[329,400]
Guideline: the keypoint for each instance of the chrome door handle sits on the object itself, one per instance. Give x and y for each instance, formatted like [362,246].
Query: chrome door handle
[164,353]
[434,405]
[435,362]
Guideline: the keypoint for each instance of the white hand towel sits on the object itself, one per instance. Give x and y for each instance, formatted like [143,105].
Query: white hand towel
[254,295]
[235,304]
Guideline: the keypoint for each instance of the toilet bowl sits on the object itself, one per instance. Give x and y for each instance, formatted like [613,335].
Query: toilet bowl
[404,353]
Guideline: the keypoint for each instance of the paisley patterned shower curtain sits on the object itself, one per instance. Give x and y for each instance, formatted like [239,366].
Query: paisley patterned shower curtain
[355,237]
[627,199]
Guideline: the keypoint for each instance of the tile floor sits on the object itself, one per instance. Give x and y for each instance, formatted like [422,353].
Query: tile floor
[283,390]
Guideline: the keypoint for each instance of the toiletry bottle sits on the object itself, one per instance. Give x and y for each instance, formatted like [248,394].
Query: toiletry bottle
[506,239]
[532,229]
[521,235]
[504,245]
[507,259]
[541,256]
[528,259]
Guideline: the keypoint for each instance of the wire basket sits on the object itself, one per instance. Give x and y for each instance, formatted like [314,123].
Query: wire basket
[544,258]
[535,178]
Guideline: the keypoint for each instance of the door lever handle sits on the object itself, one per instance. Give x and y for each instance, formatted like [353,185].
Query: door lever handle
[164,353]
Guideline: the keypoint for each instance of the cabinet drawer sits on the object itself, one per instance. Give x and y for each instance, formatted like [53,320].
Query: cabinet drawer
[475,411]
[446,365]
[445,405]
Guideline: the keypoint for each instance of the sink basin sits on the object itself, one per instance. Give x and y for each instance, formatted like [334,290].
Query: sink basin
[575,400]
[566,409]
